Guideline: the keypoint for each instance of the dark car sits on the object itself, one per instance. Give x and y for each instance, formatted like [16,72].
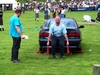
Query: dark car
[73,32]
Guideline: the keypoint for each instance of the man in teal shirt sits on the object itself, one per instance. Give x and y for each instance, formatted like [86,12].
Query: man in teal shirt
[16,34]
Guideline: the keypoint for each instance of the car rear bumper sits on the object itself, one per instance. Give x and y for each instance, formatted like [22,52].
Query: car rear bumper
[73,43]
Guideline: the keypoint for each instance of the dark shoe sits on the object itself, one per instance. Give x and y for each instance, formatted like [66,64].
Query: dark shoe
[54,57]
[11,59]
[61,57]
[16,61]
[2,29]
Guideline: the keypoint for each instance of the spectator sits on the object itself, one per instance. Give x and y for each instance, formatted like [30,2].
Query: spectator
[46,13]
[36,10]
[62,15]
[54,13]
[1,21]
[59,11]
[23,9]
[98,15]
[88,18]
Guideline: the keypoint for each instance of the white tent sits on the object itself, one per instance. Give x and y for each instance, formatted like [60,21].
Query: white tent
[6,2]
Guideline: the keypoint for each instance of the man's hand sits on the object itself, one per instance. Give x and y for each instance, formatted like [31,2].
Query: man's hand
[47,43]
[48,40]
[67,43]
[22,36]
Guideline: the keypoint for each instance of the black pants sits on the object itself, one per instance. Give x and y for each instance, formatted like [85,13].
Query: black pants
[54,41]
[1,21]
[15,47]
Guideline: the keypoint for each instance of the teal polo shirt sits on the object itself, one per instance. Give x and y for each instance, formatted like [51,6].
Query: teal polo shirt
[15,21]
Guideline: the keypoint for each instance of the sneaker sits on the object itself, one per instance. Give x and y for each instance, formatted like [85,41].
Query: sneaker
[16,61]
[2,29]
[54,57]
[11,59]
[61,57]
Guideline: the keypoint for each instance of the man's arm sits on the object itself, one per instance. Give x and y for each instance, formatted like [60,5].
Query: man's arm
[48,39]
[20,33]
[18,30]
[66,37]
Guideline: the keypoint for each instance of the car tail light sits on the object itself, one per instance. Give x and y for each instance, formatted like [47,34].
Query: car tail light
[43,34]
[74,34]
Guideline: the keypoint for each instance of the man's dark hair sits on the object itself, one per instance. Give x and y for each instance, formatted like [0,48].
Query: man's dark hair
[18,10]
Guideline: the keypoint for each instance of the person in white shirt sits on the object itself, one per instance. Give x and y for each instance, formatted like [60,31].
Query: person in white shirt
[36,10]
[60,1]
[88,18]
[63,13]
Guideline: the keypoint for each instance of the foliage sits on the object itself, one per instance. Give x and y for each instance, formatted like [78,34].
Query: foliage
[22,1]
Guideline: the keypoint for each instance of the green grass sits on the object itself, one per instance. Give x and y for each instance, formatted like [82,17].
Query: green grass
[41,64]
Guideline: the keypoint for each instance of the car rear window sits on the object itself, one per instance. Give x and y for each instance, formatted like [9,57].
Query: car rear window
[69,23]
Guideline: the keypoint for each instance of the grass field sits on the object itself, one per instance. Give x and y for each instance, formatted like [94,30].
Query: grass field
[42,64]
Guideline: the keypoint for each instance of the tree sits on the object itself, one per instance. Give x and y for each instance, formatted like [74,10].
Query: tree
[21,1]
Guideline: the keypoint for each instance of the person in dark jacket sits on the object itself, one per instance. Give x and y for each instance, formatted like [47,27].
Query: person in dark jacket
[46,13]
[98,15]
[1,21]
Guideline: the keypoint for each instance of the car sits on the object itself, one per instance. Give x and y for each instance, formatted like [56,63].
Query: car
[73,32]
